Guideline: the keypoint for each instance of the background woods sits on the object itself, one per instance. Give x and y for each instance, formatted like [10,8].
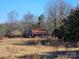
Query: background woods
[58,15]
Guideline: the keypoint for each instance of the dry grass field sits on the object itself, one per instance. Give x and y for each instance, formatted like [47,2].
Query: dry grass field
[10,51]
[18,40]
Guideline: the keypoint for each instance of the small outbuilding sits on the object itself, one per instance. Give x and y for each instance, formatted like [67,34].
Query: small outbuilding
[35,32]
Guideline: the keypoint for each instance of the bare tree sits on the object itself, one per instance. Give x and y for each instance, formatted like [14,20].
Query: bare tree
[57,10]
[28,20]
[12,20]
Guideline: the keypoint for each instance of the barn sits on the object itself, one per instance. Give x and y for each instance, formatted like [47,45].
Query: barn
[35,32]
[40,32]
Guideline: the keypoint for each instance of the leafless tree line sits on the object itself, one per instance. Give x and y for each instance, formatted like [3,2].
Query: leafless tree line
[56,11]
